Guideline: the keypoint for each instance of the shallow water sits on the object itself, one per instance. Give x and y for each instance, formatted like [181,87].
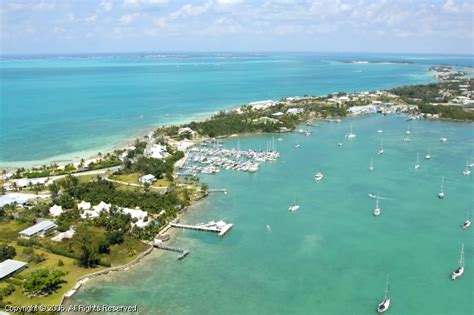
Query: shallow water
[332,255]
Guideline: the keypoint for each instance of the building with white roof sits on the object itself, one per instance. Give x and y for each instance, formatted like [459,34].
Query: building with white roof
[156,151]
[294,111]
[64,235]
[40,229]
[147,179]
[102,206]
[259,105]
[9,267]
[55,210]
[278,114]
[84,205]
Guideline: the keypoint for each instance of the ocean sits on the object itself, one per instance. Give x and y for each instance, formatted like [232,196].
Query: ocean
[61,108]
[332,255]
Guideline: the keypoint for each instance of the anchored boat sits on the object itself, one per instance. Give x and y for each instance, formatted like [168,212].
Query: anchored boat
[385,304]
[467,223]
[441,192]
[460,270]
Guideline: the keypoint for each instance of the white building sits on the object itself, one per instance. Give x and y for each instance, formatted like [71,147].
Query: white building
[9,267]
[259,105]
[147,179]
[156,151]
[40,229]
[55,210]
[278,114]
[83,205]
[294,111]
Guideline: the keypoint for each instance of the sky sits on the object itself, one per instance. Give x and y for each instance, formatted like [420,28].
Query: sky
[81,26]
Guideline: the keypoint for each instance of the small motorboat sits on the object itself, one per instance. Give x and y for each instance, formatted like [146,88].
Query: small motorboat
[467,223]
[318,176]
[294,207]
[443,139]
[441,192]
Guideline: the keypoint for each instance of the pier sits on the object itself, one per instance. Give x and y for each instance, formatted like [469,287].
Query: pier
[215,190]
[182,252]
[220,227]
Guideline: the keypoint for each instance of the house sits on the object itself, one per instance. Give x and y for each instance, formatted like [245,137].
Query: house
[259,105]
[64,235]
[102,206]
[140,217]
[269,120]
[39,229]
[294,111]
[9,267]
[55,210]
[83,205]
[185,131]
[147,179]
[278,114]
[156,151]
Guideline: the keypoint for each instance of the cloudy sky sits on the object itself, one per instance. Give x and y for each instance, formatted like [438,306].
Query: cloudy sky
[413,26]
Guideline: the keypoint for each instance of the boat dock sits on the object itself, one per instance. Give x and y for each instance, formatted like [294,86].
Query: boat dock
[182,252]
[220,227]
[214,190]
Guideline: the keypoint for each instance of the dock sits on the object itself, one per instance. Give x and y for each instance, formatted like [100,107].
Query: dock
[220,227]
[182,252]
[215,190]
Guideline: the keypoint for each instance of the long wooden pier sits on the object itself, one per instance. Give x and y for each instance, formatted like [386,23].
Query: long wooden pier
[221,228]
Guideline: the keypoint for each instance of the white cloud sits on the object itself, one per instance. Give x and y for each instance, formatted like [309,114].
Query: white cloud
[128,18]
[106,5]
[140,4]
[450,7]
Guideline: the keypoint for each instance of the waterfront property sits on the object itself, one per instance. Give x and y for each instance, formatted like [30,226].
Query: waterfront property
[9,267]
[42,228]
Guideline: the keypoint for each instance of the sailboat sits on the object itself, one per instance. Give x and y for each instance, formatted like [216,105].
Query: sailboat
[381,151]
[380,130]
[428,155]
[467,223]
[294,206]
[467,171]
[350,135]
[371,165]
[443,139]
[408,130]
[377,207]
[297,145]
[385,304]
[460,270]
[441,193]
[417,165]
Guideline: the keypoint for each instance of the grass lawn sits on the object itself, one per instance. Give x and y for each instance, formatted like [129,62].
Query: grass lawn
[128,178]
[9,230]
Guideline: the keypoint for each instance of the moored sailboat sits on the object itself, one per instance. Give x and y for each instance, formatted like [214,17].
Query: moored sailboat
[350,135]
[371,165]
[441,192]
[467,223]
[460,270]
[417,165]
[385,304]
[377,207]
[294,206]
[381,150]
[466,171]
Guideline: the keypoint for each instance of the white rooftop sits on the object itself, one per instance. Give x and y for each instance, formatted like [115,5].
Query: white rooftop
[9,266]
[41,226]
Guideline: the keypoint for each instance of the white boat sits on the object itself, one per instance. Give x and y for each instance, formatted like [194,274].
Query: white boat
[340,144]
[371,165]
[385,304]
[380,131]
[467,223]
[294,206]
[279,139]
[377,207]
[441,192]
[466,171]
[460,270]
[406,139]
[381,151]
[350,135]
[408,130]
[297,145]
[443,139]
[417,165]
[428,155]
[318,176]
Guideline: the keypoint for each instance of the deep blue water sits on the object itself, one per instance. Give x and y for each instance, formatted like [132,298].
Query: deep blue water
[65,107]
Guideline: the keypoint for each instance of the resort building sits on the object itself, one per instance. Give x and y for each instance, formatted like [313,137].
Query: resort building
[156,151]
[138,215]
[9,267]
[83,205]
[64,235]
[147,179]
[294,111]
[186,130]
[40,229]
[259,105]
[55,210]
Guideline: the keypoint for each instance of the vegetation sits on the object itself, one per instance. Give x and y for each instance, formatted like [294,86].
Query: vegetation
[450,112]
[7,252]
[43,281]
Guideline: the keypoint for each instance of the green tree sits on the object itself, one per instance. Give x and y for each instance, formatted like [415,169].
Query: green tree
[7,252]
[88,244]
[43,281]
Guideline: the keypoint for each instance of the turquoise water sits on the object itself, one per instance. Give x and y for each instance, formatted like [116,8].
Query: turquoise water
[332,255]
[65,107]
